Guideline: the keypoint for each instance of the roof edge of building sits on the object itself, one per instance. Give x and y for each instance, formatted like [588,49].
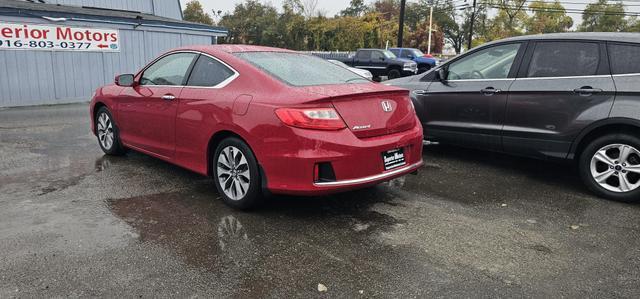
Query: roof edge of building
[139,20]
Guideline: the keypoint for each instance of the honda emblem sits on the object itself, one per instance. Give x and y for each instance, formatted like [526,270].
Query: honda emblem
[386,106]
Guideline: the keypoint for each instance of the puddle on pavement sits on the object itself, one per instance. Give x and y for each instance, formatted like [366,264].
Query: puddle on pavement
[79,169]
[102,163]
[199,226]
[299,237]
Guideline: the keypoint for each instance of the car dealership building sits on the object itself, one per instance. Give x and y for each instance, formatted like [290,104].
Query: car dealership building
[60,51]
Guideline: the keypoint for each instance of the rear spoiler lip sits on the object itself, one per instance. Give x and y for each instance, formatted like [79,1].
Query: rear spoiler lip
[381,93]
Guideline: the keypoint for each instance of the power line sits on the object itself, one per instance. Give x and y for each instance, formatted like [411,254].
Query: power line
[579,3]
[557,10]
[538,9]
[544,9]
[563,3]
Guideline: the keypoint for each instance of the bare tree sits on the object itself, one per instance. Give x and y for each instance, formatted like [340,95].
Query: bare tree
[310,7]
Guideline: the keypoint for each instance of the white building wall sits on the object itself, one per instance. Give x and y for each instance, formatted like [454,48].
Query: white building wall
[33,77]
[163,8]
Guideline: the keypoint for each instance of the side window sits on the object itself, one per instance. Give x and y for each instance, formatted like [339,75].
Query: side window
[561,59]
[625,59]
[405,54]
[169,70]
[395,52]
[376,55]
[208,72]
[363,55]
[491,63]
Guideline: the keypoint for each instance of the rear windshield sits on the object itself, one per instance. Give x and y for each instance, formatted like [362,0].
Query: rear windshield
[300,69]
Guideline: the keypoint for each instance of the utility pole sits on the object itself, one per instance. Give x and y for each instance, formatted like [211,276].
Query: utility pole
[430,22]
[401,29]
[473,19]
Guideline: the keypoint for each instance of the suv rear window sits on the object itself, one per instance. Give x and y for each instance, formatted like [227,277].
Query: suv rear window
[625,59]
[562,59]
[300,69]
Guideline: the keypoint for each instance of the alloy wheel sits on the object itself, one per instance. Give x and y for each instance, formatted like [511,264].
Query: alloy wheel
[233,173]
[616,167]
[105,131]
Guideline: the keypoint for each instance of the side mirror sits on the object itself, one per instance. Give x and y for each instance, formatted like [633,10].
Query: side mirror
[411,56]
[441,75]
[382,58]
[125,80]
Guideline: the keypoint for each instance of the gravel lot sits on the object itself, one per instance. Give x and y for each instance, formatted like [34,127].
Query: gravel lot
[75,223]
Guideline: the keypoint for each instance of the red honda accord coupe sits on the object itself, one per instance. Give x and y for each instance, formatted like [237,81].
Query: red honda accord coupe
[259,120]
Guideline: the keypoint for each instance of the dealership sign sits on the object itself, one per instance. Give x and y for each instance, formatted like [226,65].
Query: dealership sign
[57,38]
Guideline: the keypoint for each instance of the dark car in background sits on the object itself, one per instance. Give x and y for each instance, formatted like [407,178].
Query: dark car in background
[381,63]
[569,96]
[425,61]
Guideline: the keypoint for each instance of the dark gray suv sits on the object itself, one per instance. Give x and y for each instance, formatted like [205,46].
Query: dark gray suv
[569,96]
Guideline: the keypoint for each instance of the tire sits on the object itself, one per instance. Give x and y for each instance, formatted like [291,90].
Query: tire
[393,74]
[237,182]
[107,133]
[423,69]
[610,167]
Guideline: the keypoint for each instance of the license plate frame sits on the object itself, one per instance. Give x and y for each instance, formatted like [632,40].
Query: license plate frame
[393,158]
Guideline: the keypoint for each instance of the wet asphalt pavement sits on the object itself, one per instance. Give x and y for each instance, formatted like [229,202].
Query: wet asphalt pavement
[76,223]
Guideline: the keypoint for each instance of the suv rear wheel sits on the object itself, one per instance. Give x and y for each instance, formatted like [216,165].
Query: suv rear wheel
[393,74]
[610,166]
[423,68]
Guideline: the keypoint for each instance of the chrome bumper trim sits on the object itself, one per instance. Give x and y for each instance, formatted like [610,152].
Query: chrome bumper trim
[370,178]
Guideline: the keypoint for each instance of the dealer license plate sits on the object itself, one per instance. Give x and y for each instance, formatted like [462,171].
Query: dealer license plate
[393,158]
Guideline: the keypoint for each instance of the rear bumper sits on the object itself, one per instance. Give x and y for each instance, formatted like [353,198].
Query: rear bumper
[409,71]
[374,178]
[357,162]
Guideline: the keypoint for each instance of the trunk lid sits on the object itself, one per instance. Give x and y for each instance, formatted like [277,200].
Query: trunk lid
[370,110]
[376,114]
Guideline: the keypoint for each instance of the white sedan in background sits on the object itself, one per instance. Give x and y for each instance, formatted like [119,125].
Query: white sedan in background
[361,72]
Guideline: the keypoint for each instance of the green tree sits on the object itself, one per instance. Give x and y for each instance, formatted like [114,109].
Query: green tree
[483,30]
[509,21]
[294,5]
[253,23]
[451,21]
[359,25]
[548,17]
[388,9]
[419,38]
[317,27]
[603,17]
[292,26]
[633,24]
[194,12]
[356,8]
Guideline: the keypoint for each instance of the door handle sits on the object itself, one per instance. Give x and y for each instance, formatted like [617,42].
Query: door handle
[420,92]
[490,91]
[168,97]
[587,90]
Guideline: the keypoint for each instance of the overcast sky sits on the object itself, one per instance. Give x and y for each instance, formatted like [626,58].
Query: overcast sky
[332,7]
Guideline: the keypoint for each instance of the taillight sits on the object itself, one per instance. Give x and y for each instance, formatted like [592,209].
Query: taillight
[312,118]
